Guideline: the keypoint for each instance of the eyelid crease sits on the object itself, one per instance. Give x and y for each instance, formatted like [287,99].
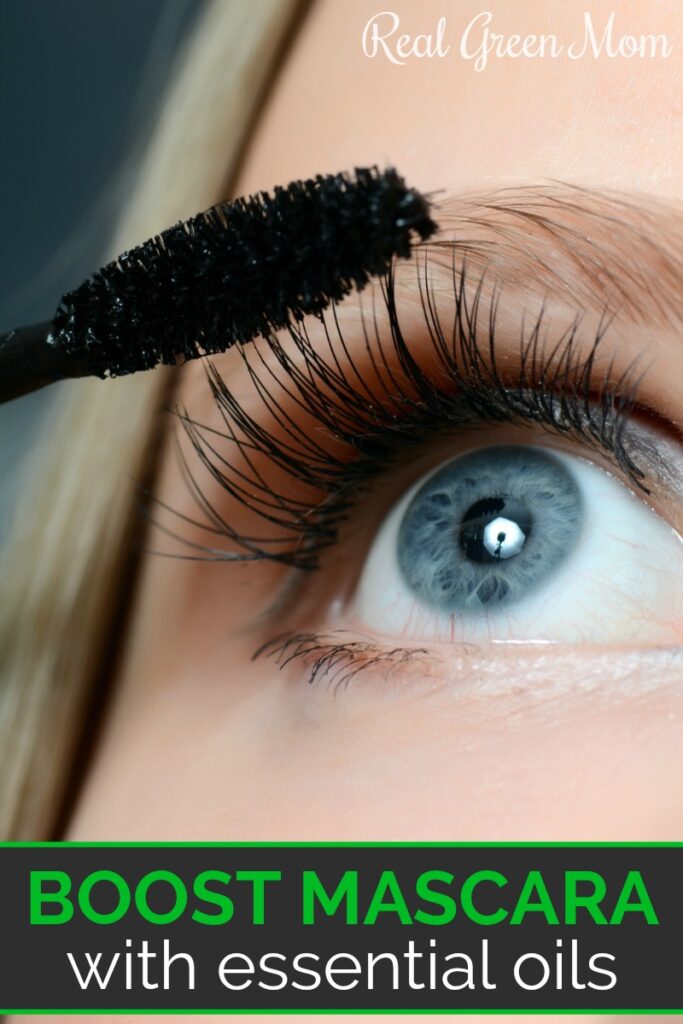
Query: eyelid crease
[599,248]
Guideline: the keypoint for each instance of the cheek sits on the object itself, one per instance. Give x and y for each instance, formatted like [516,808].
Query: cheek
[254,754]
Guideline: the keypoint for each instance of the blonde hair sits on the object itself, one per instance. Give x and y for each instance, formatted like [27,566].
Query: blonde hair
[69,554]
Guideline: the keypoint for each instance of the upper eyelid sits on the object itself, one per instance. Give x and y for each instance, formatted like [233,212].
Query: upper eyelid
[331,396]
[509,236]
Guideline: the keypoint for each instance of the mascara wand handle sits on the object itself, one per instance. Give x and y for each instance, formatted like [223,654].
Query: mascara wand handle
[29,362]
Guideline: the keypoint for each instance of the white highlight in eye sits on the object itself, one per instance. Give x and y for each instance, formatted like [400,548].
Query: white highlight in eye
[622,583]
[503,538]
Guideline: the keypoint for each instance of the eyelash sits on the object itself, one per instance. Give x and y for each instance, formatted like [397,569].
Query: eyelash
[376,417]
[329,659]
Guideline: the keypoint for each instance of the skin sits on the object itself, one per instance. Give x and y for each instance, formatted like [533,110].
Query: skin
[201,742]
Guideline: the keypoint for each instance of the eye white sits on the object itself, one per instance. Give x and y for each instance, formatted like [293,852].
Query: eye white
[622,581]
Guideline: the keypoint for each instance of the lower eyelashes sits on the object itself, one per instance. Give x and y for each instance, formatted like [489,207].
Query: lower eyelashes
[334,660]
[503,544]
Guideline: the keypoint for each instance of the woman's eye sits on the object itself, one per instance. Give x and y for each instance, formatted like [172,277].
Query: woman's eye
[522,543]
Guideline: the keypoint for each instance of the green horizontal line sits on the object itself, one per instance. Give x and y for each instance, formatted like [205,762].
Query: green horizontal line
[344,1011]
[341,845]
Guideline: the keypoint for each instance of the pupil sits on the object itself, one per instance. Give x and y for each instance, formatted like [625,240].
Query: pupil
[494,529]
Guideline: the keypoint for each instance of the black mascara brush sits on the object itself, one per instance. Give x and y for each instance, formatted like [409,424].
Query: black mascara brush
[239,270]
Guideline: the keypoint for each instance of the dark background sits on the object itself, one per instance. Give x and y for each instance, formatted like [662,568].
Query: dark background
[35,972]
[80,82]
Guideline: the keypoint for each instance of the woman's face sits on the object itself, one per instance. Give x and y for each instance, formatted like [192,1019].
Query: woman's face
[542,697]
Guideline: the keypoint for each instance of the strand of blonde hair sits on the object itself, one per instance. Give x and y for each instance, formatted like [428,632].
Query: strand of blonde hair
[65,562]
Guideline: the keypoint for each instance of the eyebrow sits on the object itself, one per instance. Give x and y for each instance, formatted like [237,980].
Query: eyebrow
[617,252]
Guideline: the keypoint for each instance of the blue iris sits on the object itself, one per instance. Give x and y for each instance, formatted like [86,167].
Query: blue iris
[489,527]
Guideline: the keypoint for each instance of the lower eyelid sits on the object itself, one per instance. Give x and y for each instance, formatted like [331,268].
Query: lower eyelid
[503,678]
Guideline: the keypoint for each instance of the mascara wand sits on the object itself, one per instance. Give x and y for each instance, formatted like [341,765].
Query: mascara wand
[237,271]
